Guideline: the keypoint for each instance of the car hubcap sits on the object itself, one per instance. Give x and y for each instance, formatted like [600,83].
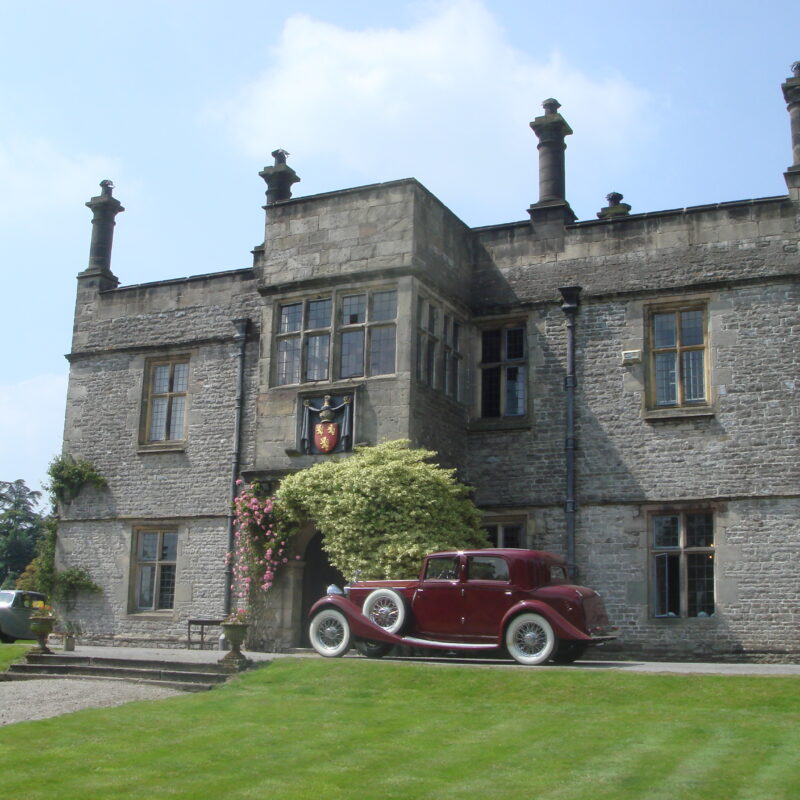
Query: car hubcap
[331,633]
[384,613]
[530,639]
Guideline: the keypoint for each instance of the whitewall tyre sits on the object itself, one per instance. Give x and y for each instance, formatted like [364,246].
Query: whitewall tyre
[329,633]
[530,639]
[386,608]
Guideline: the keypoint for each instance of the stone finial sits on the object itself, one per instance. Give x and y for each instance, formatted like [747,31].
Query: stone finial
[551,129]
[791,93]
[105,208]
[551,105]
[615,208]
[279,178]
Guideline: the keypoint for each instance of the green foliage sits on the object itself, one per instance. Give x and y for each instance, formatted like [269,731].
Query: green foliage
[69,475]
[381,509]
[20,528]
[41,575]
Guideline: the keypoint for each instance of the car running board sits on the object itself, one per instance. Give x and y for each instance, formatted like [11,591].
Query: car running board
[414,642]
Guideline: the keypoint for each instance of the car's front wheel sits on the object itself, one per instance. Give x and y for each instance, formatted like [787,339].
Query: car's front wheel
[530,639]
[329,633]
[385,607]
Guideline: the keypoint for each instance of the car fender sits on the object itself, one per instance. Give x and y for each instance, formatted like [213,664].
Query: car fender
[562,627]
[360,626]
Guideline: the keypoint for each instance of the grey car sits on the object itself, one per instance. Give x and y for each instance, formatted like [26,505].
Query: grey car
[16,608]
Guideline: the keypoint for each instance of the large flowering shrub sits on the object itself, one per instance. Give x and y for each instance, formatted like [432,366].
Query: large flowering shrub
[381,509]
[259,547]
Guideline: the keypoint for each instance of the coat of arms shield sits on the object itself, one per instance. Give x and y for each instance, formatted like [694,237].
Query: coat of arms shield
[326,436]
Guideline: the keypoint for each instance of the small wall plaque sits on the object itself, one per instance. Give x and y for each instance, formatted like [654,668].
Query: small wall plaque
[631,357]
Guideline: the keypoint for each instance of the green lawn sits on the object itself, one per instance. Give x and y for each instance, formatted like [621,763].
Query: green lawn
[9,653]
[323,729]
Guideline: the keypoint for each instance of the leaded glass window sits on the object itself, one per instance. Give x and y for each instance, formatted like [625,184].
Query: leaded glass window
[309,332]
[155,569]
[683,564]
[166,388]
[678,357]
[503,372]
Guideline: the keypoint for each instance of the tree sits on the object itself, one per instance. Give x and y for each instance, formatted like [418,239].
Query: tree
[20,528]
[381,509]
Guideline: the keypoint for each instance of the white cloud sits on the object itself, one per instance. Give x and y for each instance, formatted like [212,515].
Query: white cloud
[31,427]
[447,100]
[35,177]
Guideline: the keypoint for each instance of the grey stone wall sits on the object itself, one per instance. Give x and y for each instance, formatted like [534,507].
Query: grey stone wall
[188,488]
[736,458]
[757,589]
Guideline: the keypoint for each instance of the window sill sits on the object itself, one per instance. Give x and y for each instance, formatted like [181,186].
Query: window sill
[707,618]
[162,447]
[684,412]
[508,424]
[161,614]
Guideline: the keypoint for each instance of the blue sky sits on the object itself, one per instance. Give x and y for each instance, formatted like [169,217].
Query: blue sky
[180,104]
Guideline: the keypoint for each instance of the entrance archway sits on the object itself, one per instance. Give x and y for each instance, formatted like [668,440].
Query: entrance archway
[318,574]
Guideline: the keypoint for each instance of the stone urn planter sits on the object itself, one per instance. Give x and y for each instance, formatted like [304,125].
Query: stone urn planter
[42,627]
[235,633]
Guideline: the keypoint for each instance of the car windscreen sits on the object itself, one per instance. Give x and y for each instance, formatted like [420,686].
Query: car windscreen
[6,598]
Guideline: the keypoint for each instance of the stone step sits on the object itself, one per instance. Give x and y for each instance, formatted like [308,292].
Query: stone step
[153,673]
[183,675]
[125,663]
[177,685]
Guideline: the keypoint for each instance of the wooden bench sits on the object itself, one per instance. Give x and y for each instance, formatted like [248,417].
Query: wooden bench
[202,624]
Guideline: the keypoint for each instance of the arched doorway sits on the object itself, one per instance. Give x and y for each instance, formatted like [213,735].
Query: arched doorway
[317,576]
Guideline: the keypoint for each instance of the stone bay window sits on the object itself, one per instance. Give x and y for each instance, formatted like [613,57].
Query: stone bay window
[343,335]
[439,343]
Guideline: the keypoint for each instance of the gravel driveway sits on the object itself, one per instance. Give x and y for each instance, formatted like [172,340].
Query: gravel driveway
[38,699]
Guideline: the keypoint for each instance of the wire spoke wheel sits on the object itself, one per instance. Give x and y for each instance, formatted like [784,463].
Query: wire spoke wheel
[387,609]
[384,612]
[329,633]
[530,639]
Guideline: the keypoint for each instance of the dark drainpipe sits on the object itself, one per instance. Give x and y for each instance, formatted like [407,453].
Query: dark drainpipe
[571,300]
[241,338]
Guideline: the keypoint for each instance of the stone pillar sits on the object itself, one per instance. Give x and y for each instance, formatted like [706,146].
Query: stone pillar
[104,208]
[551,130]
[791,93]
[279,178]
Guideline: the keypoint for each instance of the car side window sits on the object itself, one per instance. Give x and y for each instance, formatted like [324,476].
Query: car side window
[487,568]
[442,569]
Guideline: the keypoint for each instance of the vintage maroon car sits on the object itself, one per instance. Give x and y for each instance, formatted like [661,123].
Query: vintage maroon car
[473,600]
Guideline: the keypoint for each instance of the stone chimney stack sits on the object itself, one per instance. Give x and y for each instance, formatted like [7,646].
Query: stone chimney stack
[104,208]
[279,178]
[791,93]
[551,129]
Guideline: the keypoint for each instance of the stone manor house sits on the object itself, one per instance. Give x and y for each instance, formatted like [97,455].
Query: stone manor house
[622,390]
